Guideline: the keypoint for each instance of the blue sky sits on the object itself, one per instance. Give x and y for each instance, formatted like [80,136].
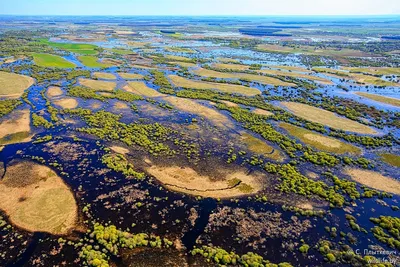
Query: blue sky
[200,7]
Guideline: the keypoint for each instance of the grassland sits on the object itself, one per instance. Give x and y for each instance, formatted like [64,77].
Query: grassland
[178,58]
[391,159]
[296,75]
[54,91]
[16,129]
[93,62]
[36,199]
[66,102]
[235,67]
[327,118]
[374,70]
[140,88]
[227,88]
[104,75]
[179,49]
[183,64]
[382,99]
[13,85]
[98,85]
[82,49]
[260,147]
[52,61]
[189,181]
[243,76]
[130,76]
[311,50]
[374,180]
[319,141]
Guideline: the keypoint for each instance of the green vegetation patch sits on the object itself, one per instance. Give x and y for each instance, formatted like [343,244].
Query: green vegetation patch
[83,49]
[93,62]
[52,61]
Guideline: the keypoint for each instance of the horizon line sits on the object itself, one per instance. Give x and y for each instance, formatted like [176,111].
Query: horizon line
[206,15]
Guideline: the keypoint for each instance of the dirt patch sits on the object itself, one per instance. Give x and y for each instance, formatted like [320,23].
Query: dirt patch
[54,91]
[120,150]
[189,181]
[374,180]
[14,85]
[17,128]
[98,85]
[327,118]
[40,202]
[67,103]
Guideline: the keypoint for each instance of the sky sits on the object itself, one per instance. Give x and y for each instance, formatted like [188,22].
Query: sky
[200,7]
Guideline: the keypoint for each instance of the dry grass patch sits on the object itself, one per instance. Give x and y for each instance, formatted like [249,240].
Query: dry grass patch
[235,67]
[263,112]
[226,88]
[296,75]
[368,79]
[104,75]
[229,104]
[98,85]
[319,141]
[130,76]
[260,147]
[327,118]
[391,159]
[374,180]
[67,103]
[382,99]
[120,105]
[243,76]
[140,88]
[36,199]
[375,70]
[183,64]
[54,91]
[191,106]
[14,85]
[120,150]
[189,181]
[291,68]
[17,128]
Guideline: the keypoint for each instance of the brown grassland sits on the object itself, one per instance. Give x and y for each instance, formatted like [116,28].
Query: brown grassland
[327,118]
[36,199]
[14,85]
[98,85]
[382,99]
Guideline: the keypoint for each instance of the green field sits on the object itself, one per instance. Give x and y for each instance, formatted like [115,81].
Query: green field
[83,49]
[51,61]
[92,62]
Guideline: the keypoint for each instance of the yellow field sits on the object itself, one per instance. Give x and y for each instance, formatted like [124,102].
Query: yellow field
[319,141]
[48,205]
[244,76]
[291,68]
[183,64]
[379,98]
[104,75]
[226,88]
[98,85]
[178,58]
[327,118]
[14,85]
[130,76]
